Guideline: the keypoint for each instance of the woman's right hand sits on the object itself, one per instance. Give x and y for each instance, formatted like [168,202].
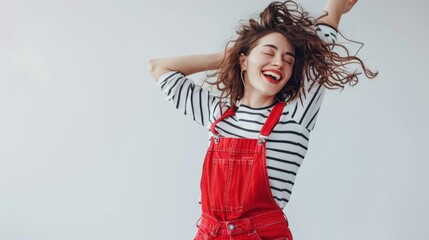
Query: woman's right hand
[187,65]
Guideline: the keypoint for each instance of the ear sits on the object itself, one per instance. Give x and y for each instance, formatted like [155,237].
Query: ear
[243,61]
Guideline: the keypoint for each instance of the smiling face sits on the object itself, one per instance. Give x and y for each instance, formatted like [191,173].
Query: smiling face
[267,68]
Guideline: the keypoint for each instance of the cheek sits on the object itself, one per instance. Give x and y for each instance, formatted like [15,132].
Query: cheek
[289,69]
[255,61]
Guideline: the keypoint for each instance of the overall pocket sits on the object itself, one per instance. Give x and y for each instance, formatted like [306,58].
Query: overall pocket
[229,183]
[278,231]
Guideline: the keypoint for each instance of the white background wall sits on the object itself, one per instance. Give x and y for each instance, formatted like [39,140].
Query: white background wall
[90,149]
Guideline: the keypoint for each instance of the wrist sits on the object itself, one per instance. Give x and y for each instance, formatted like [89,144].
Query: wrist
[214,60]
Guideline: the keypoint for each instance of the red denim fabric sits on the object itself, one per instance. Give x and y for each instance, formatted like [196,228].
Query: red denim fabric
[236,198]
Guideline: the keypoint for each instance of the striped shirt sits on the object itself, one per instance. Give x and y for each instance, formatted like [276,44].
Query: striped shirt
[287,144]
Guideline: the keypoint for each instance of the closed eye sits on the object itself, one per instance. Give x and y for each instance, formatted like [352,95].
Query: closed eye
[288,61]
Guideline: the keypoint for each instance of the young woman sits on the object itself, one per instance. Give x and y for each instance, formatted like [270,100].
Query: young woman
[272,81]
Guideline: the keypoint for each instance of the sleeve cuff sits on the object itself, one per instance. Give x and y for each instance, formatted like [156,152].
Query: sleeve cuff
[327,25]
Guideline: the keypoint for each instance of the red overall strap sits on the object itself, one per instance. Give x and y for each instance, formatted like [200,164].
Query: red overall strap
[273,118]
[271,121]
[230,112]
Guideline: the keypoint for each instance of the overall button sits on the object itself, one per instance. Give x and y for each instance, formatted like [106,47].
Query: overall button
[231,226]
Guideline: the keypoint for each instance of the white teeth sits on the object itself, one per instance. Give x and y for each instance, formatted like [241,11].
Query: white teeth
[273,74]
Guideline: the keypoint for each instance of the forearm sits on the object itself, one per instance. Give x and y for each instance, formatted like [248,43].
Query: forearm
[185,64]
[334,10]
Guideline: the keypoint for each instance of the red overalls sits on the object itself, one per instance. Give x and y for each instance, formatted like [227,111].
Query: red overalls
[236,197]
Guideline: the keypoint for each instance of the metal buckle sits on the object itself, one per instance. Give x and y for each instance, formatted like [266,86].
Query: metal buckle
[261,139]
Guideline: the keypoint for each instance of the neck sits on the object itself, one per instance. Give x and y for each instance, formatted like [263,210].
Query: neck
[257,101]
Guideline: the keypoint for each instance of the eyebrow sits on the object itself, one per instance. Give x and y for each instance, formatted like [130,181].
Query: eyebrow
[276,48]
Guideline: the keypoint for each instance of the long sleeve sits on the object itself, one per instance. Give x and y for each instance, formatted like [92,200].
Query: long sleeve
[187,97]
[306,107]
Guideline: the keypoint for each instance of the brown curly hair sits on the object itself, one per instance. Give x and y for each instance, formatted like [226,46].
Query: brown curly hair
[314,58]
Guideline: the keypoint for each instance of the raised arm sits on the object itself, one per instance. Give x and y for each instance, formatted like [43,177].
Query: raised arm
[185,64]
[334,10]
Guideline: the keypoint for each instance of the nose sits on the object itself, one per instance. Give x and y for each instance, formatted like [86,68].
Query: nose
[278,63]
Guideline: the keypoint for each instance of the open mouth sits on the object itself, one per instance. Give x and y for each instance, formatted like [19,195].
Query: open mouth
[272,75]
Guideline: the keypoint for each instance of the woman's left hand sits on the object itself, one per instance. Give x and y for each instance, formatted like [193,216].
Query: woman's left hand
[348,4]
[335,9]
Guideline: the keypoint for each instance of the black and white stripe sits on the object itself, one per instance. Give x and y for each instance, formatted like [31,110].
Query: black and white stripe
[287,144]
